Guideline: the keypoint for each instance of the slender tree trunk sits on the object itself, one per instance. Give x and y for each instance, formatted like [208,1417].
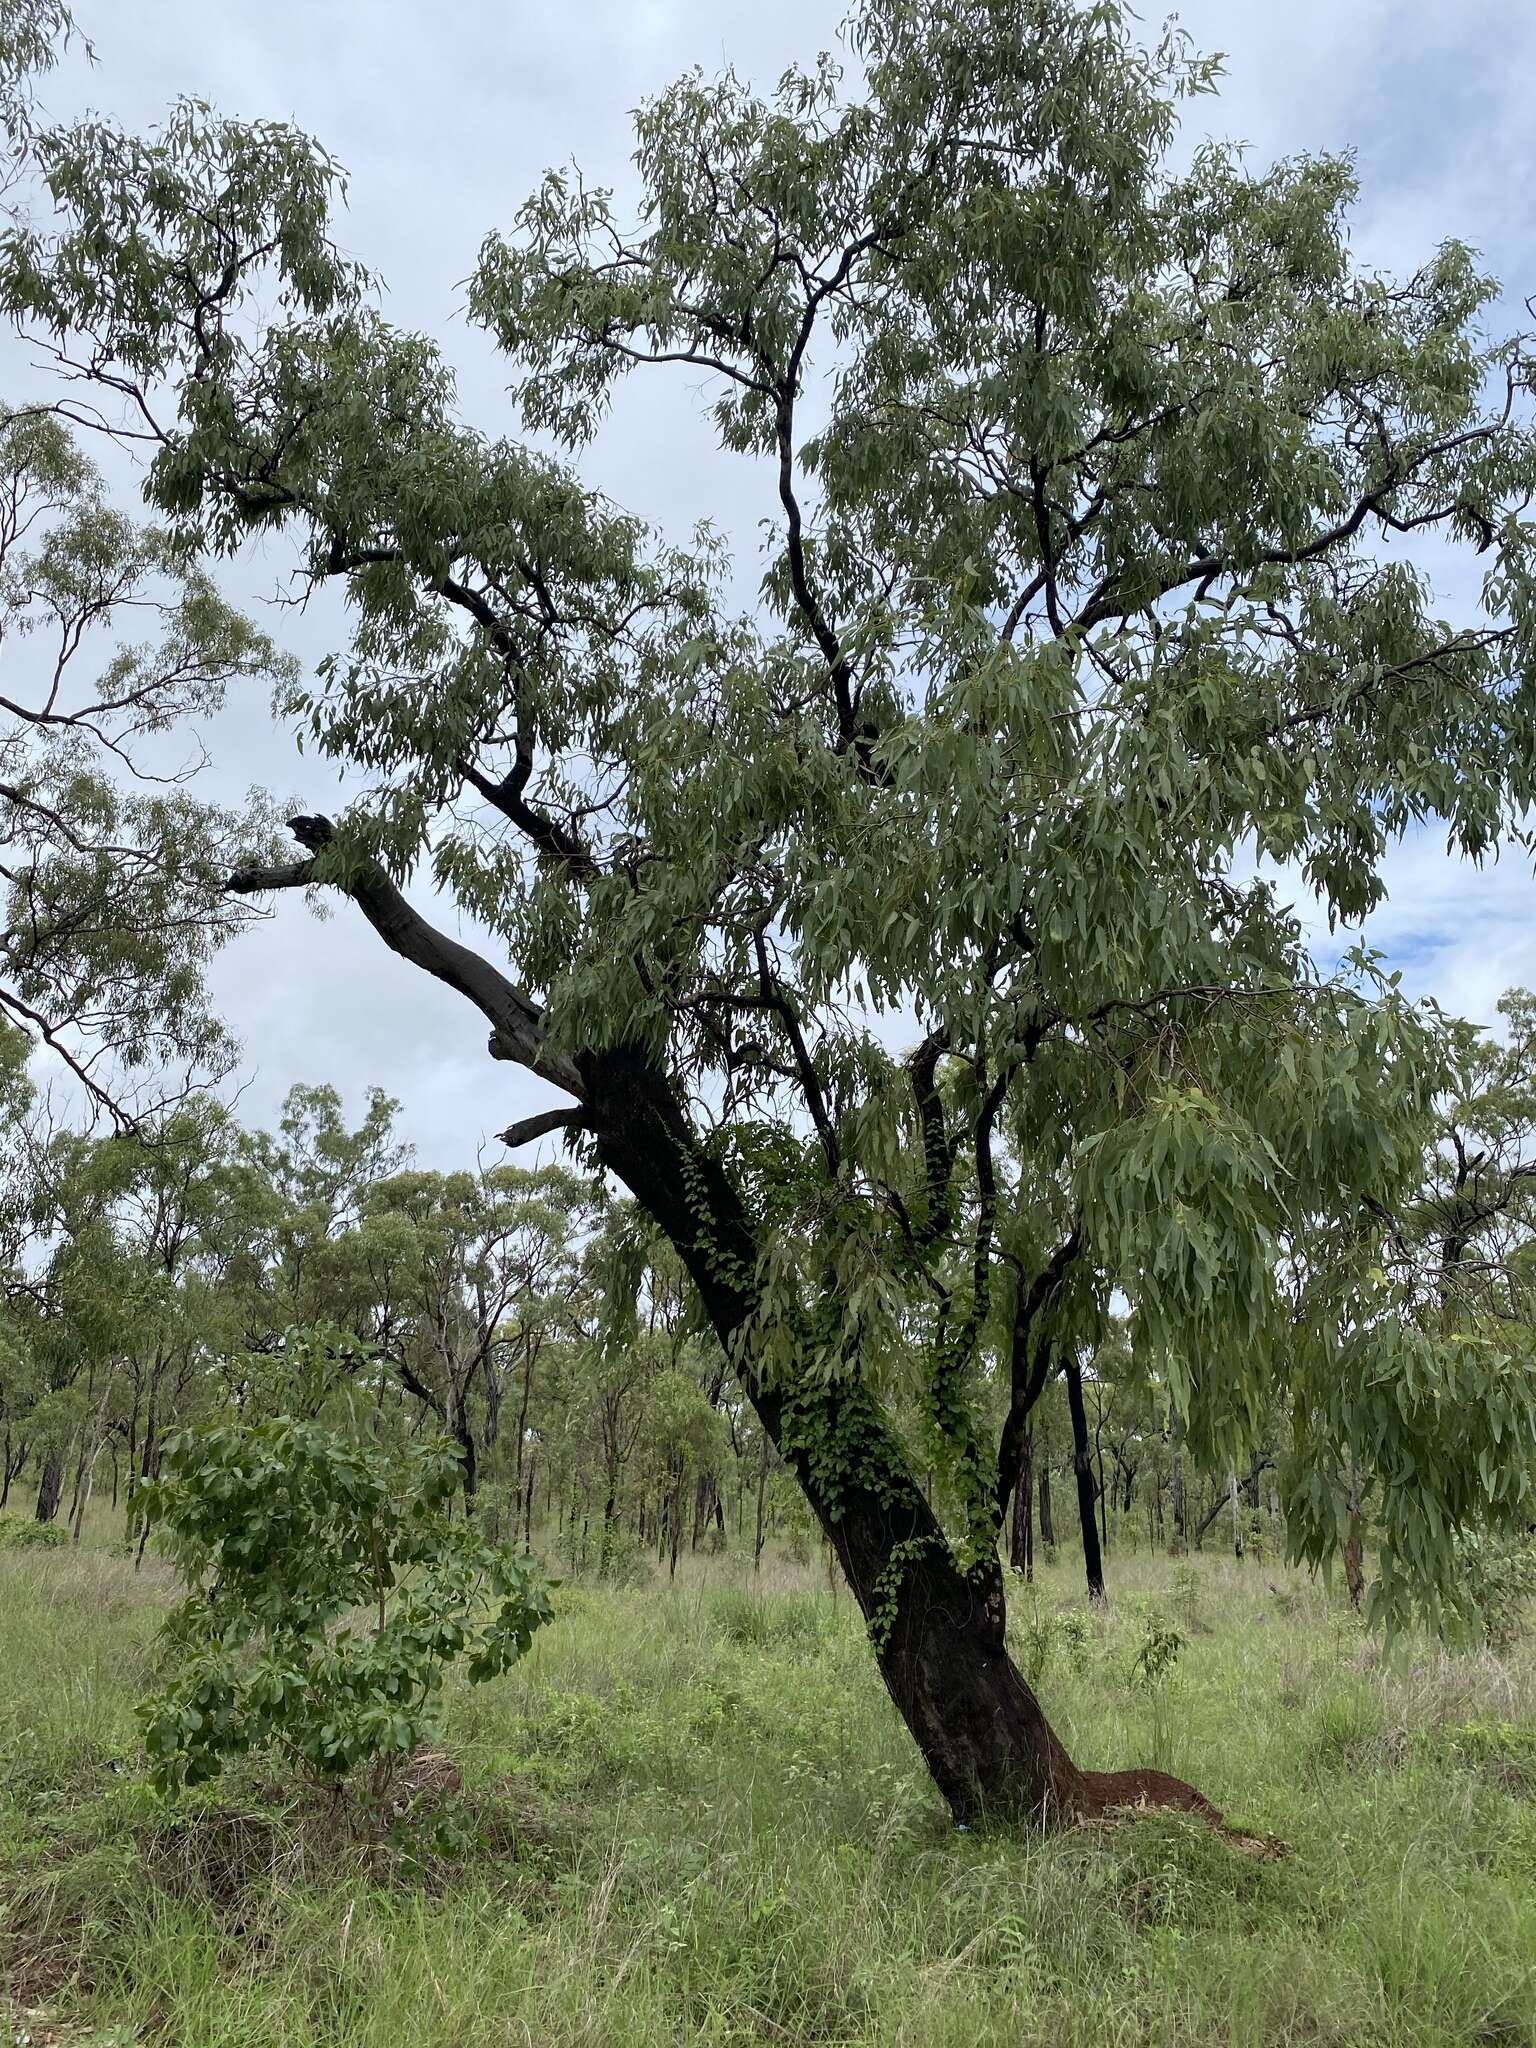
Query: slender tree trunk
[149,1457]
[90,1451]
[1354,1549]
[1082,1466]
[1047,1524]
[610,1511]
[522,1413]
[675,1526]
[1176,1477]
[1237,1520]
[491,1380]
[528,1507]
[762,1502]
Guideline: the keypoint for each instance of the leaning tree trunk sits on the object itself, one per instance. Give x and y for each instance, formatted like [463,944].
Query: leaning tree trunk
[937,1631]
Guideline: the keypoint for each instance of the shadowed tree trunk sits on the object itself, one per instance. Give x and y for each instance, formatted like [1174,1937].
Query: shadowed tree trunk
[15,1463]
[762,1503]
[51,1486]
[1082,1467]
[1021,1553]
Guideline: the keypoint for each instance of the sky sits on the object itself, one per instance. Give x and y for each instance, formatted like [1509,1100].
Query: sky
[447,115]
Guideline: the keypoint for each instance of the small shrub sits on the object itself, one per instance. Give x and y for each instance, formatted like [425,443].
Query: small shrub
[23,1532]
[1156,1655]
[1074,1631]
[1035,1647]
[1498,1583]
[330,1592]
[1186,1592]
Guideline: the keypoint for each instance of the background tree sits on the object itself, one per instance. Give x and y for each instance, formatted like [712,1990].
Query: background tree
[110,866]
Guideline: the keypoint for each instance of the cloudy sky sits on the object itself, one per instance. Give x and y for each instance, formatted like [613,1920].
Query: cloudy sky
[447,114]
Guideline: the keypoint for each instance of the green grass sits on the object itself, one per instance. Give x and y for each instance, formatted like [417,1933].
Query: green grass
[691,1816]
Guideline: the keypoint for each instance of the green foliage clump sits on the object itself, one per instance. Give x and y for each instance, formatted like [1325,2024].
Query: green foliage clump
[1498,1582]
[1156,1654]
[330,1592]
[23,1533]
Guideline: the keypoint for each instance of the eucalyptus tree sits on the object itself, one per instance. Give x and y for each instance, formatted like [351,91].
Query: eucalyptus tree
[320,1174]
[1087,578]
[1460,1248]
[144,1245]
[109,863]
[1477,1211]
[446,1266]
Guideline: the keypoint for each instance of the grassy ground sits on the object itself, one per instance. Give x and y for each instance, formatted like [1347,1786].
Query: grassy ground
[691,1816]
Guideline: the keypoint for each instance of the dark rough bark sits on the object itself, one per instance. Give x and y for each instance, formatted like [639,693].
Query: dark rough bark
[1082,1467]
[469,1456]
[15,1464]
[1021,1550]
[51,1487]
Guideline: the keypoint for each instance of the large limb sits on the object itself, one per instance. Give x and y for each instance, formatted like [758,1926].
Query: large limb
[517,1029]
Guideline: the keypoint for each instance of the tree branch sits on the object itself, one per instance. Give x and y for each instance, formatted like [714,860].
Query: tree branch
[517,1022]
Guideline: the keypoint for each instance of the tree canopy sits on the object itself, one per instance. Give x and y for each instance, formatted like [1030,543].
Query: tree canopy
[913,942]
